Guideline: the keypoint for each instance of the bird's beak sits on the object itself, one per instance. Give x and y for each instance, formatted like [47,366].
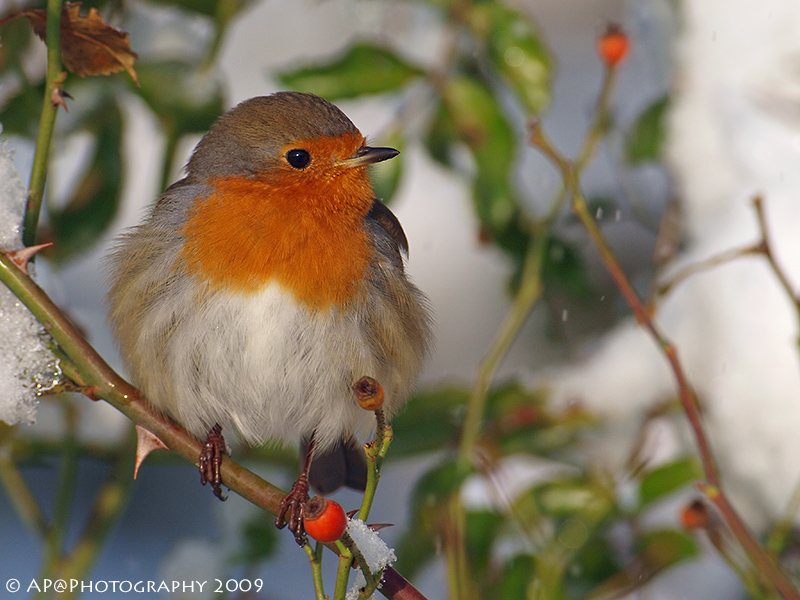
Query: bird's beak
[367,155]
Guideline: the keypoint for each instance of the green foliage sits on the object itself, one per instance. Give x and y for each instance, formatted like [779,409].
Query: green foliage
[21,112]
[565,517]
[516,51]
[430,422]
[645,140]
[259,541]
[386,176]
[559,525]
[667,478]
[95,201]
[184,100]
[365,69]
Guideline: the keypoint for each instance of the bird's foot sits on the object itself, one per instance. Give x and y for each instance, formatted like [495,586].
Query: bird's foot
[211,459]
[291,510]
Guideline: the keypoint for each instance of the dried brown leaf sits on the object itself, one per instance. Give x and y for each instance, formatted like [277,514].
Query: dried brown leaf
[88,45]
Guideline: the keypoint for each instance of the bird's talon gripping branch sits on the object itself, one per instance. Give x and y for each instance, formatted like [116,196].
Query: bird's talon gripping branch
[291,509]
[211,460]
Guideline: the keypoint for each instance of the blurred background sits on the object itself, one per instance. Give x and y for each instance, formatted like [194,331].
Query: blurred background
[582,478]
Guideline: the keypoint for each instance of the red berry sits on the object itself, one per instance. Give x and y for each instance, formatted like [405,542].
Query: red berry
[695,515]
[613,45]
[324,520]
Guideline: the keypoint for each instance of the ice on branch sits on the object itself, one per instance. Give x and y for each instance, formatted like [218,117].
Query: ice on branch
[375,551]
[27,365]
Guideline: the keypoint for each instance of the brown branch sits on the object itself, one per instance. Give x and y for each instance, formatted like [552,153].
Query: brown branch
[100,381]
[765,247]
[757,553]
[712,262]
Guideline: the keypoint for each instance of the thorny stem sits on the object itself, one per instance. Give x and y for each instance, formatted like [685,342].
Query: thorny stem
[600,122]
[315,558]
[101,382]
[461,578]
[65,494]
[376,452]
[778,536]
[20,494]
[343,571]
[530,290]
[766,249]
[55,81]
[762,559]
[356,555]
[106,510]
[755,551]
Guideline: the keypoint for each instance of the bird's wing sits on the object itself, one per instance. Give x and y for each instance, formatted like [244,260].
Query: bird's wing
[389,223]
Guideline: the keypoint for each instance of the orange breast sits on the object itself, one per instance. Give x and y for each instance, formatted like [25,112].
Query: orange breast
[304,233]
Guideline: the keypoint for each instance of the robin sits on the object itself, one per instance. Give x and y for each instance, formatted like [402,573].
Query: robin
[264,284]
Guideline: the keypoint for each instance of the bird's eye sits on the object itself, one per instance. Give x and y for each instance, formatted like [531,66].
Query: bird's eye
[298,158]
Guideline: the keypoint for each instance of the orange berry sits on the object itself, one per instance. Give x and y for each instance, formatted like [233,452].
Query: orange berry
[613,45]
[695,515]
[369,393]
[324,520]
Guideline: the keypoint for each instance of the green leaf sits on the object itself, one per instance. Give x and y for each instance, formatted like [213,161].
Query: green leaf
[365,69]
[221,11]
[482,528]
[481,124]
[431,421]
[517,575]
[259,540]
[441,137]
[21,113]
[596,562]
[184,98]
[645,140]
[386,175]
[428,501]
[668,478]
[416,548]
[437,485]
[665,547]
[564,267]
[516,50]
[585,498]
[94,204]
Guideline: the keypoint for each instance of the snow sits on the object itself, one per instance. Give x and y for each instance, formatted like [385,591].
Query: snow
[375,551]
[27,366]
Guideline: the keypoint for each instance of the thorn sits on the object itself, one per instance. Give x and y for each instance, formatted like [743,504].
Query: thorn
[57,99]
[146,442]
[379,526]
[22,257]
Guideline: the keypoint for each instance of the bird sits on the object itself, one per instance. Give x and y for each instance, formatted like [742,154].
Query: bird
[263,285]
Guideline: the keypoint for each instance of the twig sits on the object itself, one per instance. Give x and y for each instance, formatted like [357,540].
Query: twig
[766,249]
[109,504]
[693,269]
[758,555]
[530,290]
[102,382]
[55,81]
[20,495]
[315,558]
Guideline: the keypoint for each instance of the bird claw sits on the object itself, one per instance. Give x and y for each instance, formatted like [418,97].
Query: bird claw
[293,503]
[211,459]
